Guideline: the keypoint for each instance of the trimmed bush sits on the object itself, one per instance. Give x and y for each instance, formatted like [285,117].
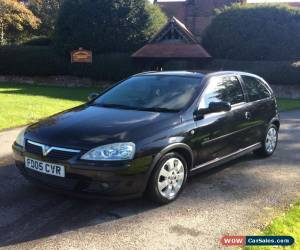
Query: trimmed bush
[274,72]
[31,61]
[38,41]
[254,32]
[44,61]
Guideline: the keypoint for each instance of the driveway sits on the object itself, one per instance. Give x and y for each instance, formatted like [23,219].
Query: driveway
[233,199]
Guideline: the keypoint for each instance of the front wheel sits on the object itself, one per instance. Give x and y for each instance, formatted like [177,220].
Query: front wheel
[270,142]
[168,178]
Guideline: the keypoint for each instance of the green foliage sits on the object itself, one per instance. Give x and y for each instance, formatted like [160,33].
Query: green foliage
[285,225]
[288,104]
[156,19]
[47,12]
[38,41]
[106,25]
[31,61]
[16,21]
[274,72]
[255,32]
[44,61]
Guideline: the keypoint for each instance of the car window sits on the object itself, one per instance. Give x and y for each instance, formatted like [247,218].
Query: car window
[155,92]
[255,88]
[226,89]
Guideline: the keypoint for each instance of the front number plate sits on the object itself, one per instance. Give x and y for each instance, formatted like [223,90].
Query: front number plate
[45,167]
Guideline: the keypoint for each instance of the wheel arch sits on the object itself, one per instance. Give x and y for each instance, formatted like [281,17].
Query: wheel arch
[181,148]
[276,122]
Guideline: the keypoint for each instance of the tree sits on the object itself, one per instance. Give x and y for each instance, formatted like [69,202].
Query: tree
[254,32]
[107,25]
[16,21]
[47,11]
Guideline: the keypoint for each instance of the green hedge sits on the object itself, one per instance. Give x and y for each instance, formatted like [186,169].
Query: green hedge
[38,41]
[274,72]
[44,61]
[254,32]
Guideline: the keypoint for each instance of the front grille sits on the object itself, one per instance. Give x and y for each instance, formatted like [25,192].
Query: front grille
[61,155]
[54,153]
[30,148]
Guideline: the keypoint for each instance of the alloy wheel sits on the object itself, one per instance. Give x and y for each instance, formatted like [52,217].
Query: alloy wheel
[171,178]
[271,140]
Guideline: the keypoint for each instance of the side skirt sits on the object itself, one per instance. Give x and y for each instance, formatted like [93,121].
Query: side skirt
[219,161]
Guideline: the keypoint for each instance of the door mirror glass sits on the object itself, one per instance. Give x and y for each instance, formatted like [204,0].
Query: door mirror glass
[215,107]
[92,96]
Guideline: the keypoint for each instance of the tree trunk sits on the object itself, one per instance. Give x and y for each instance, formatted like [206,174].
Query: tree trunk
[1,32]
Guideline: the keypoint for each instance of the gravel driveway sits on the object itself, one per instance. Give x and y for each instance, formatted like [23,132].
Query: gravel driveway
[233,199]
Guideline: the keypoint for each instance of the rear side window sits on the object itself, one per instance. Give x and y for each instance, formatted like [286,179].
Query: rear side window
[226,89]
[255,89]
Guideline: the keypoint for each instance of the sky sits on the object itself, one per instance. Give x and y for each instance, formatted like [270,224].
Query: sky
[249,1]
[273,1]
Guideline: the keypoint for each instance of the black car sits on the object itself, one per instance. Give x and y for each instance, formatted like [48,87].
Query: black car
[147,134]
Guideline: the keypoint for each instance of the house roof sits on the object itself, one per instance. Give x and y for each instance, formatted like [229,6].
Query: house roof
[179,25]
[160,46]
[165,50]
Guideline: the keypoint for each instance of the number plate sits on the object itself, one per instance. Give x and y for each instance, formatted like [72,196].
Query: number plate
[45,167]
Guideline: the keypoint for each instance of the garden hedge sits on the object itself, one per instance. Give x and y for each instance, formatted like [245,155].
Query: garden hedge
[274,72]
[254,32]
[44,61]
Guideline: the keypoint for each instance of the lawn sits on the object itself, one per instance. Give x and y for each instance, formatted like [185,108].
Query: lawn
[286,225]
[21,104]
[288,104]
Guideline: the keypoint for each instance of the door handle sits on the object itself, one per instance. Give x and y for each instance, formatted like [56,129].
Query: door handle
[248,115]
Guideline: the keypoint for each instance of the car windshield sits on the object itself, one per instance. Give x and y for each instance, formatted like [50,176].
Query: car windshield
[153,93]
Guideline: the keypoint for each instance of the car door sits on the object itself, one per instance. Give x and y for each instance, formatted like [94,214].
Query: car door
[218,134]
[261,106]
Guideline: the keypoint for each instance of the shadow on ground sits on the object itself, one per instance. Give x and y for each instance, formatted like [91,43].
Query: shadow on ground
[29,213]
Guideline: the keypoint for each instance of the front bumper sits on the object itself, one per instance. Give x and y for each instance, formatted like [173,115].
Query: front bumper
[110,180]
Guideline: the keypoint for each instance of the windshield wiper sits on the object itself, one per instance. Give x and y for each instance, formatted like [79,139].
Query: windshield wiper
[157,109]
[122,106]
[113,105]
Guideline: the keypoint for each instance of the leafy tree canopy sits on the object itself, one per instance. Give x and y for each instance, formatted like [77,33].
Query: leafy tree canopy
[47,11]
[254,32]
[16,21]
[107,25]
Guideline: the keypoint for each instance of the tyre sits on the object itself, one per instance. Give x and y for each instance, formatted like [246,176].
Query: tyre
[270,142]
[167,179]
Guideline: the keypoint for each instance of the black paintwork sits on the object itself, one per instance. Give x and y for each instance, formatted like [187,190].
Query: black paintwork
[201,140]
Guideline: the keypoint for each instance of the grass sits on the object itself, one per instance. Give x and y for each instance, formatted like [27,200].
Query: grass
[286,225]
[288,104]
[21,104]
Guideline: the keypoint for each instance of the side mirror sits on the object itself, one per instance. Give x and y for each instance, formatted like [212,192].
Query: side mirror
[213,107]
[92,96]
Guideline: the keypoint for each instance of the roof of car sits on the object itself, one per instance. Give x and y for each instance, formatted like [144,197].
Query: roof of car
[173,73]
[195,74]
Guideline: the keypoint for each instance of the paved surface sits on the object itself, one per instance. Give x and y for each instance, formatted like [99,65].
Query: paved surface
[232,199]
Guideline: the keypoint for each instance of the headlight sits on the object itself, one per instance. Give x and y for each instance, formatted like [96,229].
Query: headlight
[111,152]
[20,138]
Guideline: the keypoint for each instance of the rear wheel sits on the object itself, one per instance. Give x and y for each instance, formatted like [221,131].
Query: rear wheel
[270,142]
[168,178]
